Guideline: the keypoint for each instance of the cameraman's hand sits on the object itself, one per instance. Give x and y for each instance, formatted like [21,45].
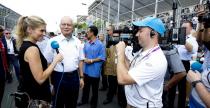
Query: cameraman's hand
[58,58]
[201,13]
[120,48]
[200,10]
[193,76]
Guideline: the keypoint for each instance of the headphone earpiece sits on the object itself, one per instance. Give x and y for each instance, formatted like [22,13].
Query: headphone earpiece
[152,33]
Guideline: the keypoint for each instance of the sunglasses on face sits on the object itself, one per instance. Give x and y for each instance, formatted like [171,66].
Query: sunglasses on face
[7,33]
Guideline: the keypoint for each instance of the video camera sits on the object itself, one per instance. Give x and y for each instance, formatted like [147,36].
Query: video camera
[204,7]
[127,35]
[173,36]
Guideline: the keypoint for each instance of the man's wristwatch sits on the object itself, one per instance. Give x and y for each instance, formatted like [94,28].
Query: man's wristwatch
[196,82]
[81,77]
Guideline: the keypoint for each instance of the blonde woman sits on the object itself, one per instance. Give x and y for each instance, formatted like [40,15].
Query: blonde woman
[33,66]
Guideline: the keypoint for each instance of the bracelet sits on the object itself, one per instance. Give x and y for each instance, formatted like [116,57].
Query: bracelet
[196,82]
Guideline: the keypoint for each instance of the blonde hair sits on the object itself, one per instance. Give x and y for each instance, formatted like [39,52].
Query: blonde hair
[23,24]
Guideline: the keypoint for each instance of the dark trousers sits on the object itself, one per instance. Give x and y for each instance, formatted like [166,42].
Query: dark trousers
[165,100]
[2,85]
[104,78]
[94,83]
[13,60]
[68,91]
[112,80]
[181,89]
[121,96]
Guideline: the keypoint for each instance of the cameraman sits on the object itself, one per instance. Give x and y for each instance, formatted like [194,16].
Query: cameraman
[143,77]
[200,94]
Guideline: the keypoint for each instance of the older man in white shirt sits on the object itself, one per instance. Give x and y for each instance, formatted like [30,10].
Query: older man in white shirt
[68,75]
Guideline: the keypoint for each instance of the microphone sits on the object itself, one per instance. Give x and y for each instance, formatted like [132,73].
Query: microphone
[55,45]
[196,66]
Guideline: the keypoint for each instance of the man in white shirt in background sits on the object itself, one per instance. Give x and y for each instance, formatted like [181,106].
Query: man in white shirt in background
[12,52]
[42,43]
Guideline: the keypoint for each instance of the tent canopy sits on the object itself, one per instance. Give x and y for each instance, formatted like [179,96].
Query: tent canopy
[140,8]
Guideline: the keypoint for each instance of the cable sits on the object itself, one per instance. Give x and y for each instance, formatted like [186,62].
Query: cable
[208,77]
[58,87]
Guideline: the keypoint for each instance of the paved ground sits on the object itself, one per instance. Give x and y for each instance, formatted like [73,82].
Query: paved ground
[8,101]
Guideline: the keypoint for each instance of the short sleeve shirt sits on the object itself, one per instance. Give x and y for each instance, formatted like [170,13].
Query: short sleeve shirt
[175,64]
[148,74]
[71,49]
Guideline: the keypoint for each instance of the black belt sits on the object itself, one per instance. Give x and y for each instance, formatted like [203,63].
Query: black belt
[186,60]
[67,73]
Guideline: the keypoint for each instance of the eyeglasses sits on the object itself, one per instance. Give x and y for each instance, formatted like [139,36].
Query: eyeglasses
[64,24]
[7,33]
[107,30]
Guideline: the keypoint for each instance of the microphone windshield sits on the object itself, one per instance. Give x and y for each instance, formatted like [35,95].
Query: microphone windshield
[54,45]
[196,66]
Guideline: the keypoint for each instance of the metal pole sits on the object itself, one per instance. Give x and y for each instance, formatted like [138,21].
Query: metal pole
[174,13]
[96,18]
[5,20]
[118,14]
[102,10]
[156,8]
[200,1]
[133,4]
[178,16]
[109,11]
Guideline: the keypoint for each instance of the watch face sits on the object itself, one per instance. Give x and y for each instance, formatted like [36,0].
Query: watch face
[195,82]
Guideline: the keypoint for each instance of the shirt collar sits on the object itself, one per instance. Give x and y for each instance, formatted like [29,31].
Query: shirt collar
[8,39]
[144,53]
[93,42]
[64,38]
[189,36]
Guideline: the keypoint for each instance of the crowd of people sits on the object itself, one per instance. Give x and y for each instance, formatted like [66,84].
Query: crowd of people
[53,69]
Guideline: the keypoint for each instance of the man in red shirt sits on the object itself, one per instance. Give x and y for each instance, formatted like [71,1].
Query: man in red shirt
[3,65]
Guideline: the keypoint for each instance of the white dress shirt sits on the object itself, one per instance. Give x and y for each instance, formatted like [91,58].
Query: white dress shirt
[72,52]
[10,48]
[43,43]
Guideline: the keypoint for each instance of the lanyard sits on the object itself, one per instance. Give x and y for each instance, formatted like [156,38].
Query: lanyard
[150,52]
